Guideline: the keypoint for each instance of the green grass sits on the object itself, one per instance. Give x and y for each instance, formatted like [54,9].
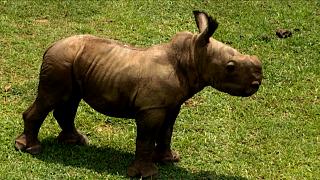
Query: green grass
[274,134]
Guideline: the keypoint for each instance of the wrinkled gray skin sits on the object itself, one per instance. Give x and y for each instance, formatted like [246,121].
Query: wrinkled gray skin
[148,85]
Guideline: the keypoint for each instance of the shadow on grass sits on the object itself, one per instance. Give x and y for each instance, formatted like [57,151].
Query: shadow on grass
[113,161]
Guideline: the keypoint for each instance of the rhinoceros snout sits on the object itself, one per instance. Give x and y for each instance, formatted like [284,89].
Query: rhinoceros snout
[255,85]
[253,88]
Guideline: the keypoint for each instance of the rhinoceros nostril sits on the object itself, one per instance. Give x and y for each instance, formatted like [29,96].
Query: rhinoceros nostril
[255,84]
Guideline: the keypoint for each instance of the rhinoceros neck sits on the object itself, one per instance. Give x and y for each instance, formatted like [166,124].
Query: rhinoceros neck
[182,55]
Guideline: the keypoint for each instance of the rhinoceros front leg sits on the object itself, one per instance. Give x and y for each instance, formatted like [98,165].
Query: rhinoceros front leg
[163,152]
[149,123]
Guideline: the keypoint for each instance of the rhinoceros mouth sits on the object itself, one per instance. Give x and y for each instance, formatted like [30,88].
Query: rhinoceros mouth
[243,92]
[253,88]
[239,90]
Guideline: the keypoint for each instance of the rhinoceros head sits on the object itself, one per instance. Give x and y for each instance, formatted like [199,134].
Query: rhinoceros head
[223,67]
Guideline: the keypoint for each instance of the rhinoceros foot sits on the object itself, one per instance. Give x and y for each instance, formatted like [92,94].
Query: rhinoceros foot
[166,157]
[143,169]
[32,147]
[72,138]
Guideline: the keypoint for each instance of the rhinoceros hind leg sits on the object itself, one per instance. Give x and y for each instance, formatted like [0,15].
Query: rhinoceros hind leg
[33,118]
[72,138]
[65,113]
[21,145]
[55,85]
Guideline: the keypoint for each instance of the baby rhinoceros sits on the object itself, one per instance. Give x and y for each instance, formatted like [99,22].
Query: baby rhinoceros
[149,85]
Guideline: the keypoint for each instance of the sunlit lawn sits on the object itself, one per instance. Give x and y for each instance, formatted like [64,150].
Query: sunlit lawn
[274,134]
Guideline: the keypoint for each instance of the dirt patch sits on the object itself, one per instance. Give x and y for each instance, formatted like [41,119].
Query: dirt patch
[41,21]
[193,102]
[105,128]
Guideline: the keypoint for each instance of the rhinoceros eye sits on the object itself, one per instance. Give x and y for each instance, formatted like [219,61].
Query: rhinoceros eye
[231,66]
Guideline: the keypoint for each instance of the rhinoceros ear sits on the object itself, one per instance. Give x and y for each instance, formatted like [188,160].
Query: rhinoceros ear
[206,25]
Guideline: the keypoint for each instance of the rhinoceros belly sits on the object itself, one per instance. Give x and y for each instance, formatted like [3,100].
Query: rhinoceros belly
[108,79]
